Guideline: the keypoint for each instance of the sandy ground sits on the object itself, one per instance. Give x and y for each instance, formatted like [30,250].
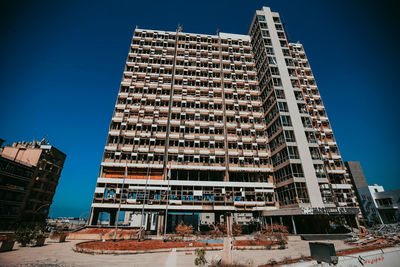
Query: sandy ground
[61,254]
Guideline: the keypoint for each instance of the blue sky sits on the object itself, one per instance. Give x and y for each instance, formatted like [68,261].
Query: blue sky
[62,62]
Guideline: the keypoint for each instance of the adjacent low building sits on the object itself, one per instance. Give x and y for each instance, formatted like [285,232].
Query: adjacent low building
[29,174]
[380,206]
[376,204]
[388,205]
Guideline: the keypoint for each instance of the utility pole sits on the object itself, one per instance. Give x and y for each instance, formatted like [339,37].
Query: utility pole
[120,200]
[144,201]
[166,207]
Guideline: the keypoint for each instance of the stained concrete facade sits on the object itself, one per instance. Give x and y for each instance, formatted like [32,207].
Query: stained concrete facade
[223,123]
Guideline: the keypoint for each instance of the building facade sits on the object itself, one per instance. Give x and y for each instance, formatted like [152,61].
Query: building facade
[29,174]
[388,205]
[238,121]
[380,206]
[360,185]
[377,205]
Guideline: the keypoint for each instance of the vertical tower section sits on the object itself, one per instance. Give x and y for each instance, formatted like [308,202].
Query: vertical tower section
[308,170]
[335,184]
[293,160]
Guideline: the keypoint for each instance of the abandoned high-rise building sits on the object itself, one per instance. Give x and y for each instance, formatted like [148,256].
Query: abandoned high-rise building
[29,175]
[238,120]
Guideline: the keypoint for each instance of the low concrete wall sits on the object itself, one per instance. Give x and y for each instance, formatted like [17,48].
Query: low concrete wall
[79,236]
[106,235]
[325,236]
[77,248]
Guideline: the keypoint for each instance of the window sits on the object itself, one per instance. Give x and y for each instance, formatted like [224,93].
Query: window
[277,82]
[280,94]
[302,108]
[261,18]
[320,171]
[315,153]
[297,170]
[293,152]
[281,35]
[306,122]
[265,33]
[289,136]
[311,137]
[286,121]
[283,107]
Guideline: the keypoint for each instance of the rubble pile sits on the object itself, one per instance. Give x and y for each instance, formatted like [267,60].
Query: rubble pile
[384,229]
[378,235]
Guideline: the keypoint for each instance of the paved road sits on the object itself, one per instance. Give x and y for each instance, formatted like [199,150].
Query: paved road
[61,254]
[171,259]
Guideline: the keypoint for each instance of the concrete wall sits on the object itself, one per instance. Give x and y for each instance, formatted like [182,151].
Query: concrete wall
[356,173]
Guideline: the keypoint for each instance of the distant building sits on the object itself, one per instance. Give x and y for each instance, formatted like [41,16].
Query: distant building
[29,174]
[380,206]
[377,205]
[15,179]
[368,204]
[67,222]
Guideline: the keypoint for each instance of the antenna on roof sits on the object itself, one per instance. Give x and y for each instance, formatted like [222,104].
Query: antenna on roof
[285,29]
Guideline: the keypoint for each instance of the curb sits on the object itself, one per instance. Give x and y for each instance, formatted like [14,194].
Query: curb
[77,249]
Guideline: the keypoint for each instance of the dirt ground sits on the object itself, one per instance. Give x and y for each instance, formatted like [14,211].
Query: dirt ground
[159,244]
[143,245]
[61,254]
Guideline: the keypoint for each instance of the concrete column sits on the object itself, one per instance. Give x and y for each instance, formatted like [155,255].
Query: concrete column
[357,222]
[294,225]
[113,217]
[227,251]
[94,217]
[160,224]
[228,221]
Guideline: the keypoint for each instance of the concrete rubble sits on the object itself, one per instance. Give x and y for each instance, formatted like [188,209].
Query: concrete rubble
[385,229]
[377,235]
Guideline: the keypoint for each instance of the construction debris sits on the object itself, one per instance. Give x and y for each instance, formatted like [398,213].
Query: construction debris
[383,229]
[378,235]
